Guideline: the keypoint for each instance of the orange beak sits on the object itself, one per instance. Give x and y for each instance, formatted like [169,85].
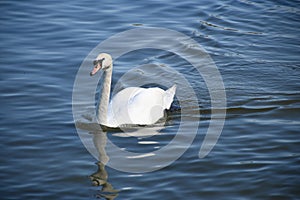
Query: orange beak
[95,69]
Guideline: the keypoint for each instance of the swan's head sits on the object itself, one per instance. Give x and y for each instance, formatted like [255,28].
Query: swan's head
[103,61]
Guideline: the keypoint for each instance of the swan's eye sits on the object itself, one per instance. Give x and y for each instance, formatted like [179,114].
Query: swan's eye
[95,62]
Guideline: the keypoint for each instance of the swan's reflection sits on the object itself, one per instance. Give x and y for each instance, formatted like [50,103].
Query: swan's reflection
[98,135]
[100,177]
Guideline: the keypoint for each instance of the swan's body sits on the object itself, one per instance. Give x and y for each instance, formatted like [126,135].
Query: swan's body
[133,105]
[139,106]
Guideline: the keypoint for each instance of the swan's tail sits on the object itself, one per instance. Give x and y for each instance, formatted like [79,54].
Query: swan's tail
[169,96]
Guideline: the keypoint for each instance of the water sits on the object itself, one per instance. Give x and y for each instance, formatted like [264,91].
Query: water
[255,45]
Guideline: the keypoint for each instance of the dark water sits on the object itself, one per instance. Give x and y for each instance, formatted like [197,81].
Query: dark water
[255,45]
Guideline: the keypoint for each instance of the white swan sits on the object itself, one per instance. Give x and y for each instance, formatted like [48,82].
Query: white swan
[133,105]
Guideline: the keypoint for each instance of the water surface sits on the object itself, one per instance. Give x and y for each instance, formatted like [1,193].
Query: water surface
[255,45]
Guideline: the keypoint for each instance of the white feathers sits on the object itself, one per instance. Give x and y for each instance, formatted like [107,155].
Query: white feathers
[143,106]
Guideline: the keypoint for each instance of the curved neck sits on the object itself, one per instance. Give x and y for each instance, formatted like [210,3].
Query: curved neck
[104,97]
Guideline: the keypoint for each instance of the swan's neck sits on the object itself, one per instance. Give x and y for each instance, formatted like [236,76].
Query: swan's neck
[104,97]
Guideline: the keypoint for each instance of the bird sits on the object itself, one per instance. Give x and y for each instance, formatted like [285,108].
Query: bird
[132,105]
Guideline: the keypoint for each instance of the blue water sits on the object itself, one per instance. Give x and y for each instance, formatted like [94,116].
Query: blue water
[256,47]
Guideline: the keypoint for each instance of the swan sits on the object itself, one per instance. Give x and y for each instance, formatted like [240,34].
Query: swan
[132,105]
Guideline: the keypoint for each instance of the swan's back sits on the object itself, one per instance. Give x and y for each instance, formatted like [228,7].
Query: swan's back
[141,106]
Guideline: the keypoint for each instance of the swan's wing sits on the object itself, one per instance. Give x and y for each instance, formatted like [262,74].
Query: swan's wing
[146,106]
[153,97]
[169,96]
[117,113]
[139,105]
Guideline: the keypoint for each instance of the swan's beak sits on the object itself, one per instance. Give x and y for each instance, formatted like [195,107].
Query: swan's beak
[95,69]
